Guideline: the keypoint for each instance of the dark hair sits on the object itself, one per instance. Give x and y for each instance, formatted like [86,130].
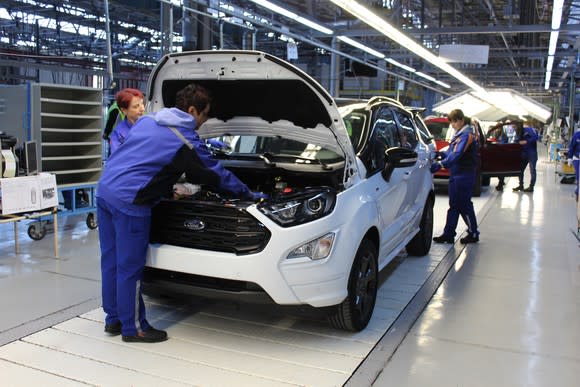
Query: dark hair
[125,96]
[456,114]
[192,95]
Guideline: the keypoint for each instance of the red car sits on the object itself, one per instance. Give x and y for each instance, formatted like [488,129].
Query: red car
[496,159]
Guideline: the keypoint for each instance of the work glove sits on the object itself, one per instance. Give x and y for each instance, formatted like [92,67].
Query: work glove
[435,167]
[439,155]
[185,189]
[217,143]
[258,196]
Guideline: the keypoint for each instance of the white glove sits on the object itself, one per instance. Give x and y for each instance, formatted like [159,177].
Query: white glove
[186,189]
[570,162]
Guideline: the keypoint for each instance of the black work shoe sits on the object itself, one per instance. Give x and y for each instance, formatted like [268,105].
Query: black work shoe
[151,335]
[529,189]
[518,188]
[443,239]
[469,239]
[499,187]
[113,329]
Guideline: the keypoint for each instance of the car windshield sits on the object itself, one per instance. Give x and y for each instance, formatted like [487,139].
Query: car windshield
[273,148]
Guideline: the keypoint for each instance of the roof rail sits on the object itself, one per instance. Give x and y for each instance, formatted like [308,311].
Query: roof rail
[381,98]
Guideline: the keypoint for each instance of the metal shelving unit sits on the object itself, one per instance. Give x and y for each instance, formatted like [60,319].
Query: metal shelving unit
[66,123]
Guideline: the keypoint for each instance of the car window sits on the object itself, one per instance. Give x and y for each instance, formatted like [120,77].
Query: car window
[409,137]
[424,133]
[355,124]
[384,135]
[441,131]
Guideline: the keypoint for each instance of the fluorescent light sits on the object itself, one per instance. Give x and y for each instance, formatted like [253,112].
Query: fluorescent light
[399,64]
[557,14]
[445,85]
[428,77]
[392,33]
[315,26]
[553,41]
[550,63]
[557,9]
[291,15]
[361,46]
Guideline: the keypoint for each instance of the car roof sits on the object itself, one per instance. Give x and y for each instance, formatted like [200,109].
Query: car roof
[443,120]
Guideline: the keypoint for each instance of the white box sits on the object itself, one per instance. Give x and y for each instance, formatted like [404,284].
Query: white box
[27,193]
[48,192]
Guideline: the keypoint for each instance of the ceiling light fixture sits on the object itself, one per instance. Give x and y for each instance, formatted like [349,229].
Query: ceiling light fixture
[394,34]
[556,20]
[291,15]
[360,46]
[399,64]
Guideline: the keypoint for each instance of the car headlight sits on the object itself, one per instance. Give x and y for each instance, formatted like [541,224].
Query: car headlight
[300,208]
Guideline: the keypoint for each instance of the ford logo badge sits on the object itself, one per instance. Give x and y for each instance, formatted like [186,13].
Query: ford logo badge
[194,224]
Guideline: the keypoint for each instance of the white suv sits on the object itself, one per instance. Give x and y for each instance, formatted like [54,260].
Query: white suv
[349,188]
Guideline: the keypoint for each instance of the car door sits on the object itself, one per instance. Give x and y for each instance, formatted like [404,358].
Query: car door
[389,195]
[499,158]
[415,175]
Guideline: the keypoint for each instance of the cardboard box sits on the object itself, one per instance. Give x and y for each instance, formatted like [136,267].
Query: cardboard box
[27,193]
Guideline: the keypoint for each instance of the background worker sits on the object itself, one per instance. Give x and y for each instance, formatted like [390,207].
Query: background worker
[498,133]
[574,156]
[130,103]
[162,147]
[461,160]
[528,137]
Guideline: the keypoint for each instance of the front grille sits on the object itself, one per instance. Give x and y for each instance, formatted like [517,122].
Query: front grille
[207,226]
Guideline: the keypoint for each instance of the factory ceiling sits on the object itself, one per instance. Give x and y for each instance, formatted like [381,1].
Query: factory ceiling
[510,38]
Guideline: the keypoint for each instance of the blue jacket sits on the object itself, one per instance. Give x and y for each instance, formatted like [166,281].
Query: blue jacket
[461,156]
[574,148]
[153,158]
[531,137]
[120,133]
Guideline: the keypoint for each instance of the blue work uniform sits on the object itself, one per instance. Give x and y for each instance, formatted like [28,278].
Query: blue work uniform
[574,154]
[119,134]
[529,155]
[461,160]
[136,176]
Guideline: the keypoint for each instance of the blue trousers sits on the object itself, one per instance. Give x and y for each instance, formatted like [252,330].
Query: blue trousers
[531,159]
[124,240]
[576,164]
[460,204]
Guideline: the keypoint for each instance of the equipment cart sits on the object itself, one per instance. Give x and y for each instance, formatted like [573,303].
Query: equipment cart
[79,199]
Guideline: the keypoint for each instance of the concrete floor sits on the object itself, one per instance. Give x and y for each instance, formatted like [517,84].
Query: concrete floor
[504,312]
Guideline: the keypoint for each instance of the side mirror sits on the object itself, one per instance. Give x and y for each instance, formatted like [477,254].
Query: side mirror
[398,158]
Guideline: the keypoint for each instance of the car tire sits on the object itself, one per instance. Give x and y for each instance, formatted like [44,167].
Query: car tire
[477,185]
[421,243]
[355,312]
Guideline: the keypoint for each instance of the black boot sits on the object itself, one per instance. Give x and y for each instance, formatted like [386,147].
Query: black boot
[443,239]
[518,188]
[470,238]
[151,335]
[529,189]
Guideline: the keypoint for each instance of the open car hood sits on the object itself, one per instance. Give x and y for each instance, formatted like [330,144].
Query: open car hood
[253,93]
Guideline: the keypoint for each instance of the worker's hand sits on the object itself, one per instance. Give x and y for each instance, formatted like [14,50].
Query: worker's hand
[439,155]
[217,143]
[435,167]
[570,163]
[258,196]
[185,189]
